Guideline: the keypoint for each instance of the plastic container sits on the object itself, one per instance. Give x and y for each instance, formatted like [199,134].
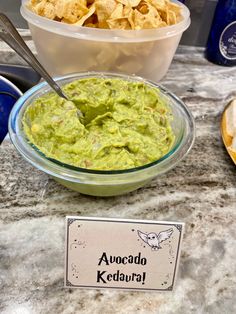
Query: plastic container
[104,183]
[65,49]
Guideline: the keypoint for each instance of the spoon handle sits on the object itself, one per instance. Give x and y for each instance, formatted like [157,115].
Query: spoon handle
[10,35]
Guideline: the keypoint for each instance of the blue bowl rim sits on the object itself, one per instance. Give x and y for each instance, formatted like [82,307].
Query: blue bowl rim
[11,85]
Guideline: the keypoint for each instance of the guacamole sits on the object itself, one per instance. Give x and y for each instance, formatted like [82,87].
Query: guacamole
[125,125]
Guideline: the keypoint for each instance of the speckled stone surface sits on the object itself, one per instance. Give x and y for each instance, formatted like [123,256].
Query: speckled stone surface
[200,191]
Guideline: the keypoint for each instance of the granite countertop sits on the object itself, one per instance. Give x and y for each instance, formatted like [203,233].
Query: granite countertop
[200,191]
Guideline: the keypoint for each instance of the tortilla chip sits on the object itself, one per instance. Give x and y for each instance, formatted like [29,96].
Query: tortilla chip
[162,24]
[164,15]
[160,5]
[174,7]
[92,21]
[37,7]
[104,9]
[168,17]
[118,14]
[172,18]
[121,23]
[136,49]
[33,3]
[130,66]
[129,14]
[121,18]
[86,16]
[107,57]
[130,3]
[91,25]
[71,10]
[146,17]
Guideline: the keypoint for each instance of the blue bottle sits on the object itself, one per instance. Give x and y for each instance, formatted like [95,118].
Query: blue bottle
[221,45]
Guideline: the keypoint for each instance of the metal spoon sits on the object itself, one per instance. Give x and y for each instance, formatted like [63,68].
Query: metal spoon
[10,35]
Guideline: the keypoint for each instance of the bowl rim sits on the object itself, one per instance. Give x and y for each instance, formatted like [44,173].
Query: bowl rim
[63,171]
[106,35]
[11,85]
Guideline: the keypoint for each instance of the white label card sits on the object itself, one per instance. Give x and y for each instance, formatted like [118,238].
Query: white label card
[122,253]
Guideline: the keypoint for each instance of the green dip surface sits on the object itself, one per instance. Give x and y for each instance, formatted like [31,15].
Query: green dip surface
[126,124]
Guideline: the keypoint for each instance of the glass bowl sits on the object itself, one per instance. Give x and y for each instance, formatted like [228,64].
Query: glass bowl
[100,182]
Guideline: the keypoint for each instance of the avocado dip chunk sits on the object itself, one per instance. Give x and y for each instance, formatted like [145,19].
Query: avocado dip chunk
[126,124]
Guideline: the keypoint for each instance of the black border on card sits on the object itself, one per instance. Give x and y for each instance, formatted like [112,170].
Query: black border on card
[69,220]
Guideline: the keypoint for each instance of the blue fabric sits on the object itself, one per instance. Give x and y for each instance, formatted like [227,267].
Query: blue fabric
[8,97]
